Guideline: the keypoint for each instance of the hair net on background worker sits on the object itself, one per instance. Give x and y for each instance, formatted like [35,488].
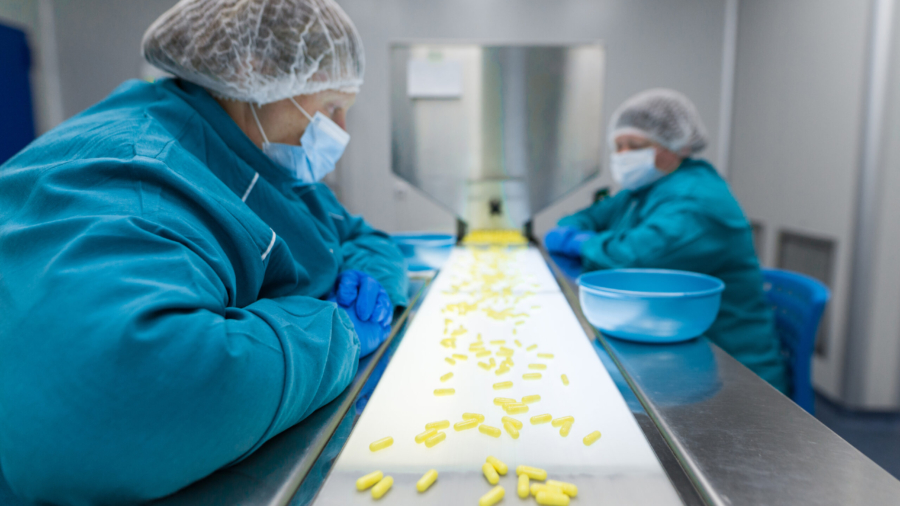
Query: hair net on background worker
[258,51]
[663,116]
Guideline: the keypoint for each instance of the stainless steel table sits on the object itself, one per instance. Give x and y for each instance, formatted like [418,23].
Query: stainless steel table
[722,434]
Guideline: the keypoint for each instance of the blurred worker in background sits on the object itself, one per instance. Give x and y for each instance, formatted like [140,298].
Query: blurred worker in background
[675,212]
[177,286]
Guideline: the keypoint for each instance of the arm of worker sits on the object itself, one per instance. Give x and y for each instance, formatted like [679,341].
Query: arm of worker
[676,234]
[125,371]
[596,217]
[371,251]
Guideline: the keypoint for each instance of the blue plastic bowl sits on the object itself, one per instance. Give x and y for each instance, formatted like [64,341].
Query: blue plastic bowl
[424,251]
[650,305]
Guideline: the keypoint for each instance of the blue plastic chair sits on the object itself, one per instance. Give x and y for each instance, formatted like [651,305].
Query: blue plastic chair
[798,302]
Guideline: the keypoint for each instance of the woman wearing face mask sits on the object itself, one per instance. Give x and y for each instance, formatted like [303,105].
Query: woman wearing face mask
[675,212]
[175,286]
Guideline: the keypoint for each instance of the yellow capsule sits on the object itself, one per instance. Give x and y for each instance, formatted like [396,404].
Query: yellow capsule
[535,473]
[559,422]
[482,353]
[515,423]
[479,336]
[446,377]
[518,343]
[502,385]
[476,349]
[460,356]
[470,416]
[570,489]
[532,376]
[381,443]
[435,439]
[564,430]
[499,341]
[565,379]
[539,367]
[548,498]
[492,497]
[369,480]
[498,465]
[490,431]
[515,408]
[382,487]
[499,401]
[591,438]
[450,361]
[505,353]
[545,355]
[514,331]
[443,424]
[466,424]
[485,366]
[504,348]
[538,419]
[425,435]
[426,480]
[501,370]
[509,362]
[444,391]
[536,488]
[523,488]
[533,346]
[528,399]
[490,473]
[493,362]
[511,429]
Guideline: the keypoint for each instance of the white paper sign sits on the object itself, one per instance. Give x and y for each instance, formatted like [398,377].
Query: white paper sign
[434,79]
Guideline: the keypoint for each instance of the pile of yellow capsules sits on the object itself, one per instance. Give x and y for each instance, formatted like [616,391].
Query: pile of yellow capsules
[489,270]
[549,493]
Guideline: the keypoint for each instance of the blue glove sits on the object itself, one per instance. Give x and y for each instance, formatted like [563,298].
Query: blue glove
[371,334]
[365,295]
[556,238]
[566,241]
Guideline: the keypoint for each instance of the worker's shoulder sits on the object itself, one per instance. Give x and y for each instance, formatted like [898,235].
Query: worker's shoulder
[137,119]
[698,185]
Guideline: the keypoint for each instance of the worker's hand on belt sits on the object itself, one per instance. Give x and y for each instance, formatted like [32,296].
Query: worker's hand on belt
[363,295]
[566,241]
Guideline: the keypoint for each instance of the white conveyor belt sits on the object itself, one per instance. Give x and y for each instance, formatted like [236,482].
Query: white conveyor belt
[502,294]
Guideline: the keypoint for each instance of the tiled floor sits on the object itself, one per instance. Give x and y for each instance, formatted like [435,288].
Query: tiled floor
[875,434]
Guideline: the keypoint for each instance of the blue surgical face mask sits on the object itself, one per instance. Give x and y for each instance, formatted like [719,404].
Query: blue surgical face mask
[635,169]
[321,146]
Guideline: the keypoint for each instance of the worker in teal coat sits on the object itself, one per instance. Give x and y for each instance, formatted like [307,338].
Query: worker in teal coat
[675,212]
[176,288]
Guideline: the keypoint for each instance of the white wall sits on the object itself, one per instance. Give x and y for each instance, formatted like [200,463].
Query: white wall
[796,132]
[676,43]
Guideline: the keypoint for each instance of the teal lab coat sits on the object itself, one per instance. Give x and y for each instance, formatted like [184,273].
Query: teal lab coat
[689,220]
[161,286]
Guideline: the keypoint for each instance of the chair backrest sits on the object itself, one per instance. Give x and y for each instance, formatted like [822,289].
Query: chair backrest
[797,302]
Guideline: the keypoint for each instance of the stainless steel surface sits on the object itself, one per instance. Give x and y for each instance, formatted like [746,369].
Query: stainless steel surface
[272,475]
[740,440]
[525,130]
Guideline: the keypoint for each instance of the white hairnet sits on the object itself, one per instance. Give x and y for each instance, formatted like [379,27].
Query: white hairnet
[258,51]
[663,116]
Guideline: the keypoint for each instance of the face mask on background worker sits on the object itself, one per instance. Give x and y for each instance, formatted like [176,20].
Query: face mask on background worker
[635,169]
[321,146]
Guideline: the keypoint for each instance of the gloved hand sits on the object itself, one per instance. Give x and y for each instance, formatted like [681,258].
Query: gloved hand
[363,295]
[371,334]
[566,241]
